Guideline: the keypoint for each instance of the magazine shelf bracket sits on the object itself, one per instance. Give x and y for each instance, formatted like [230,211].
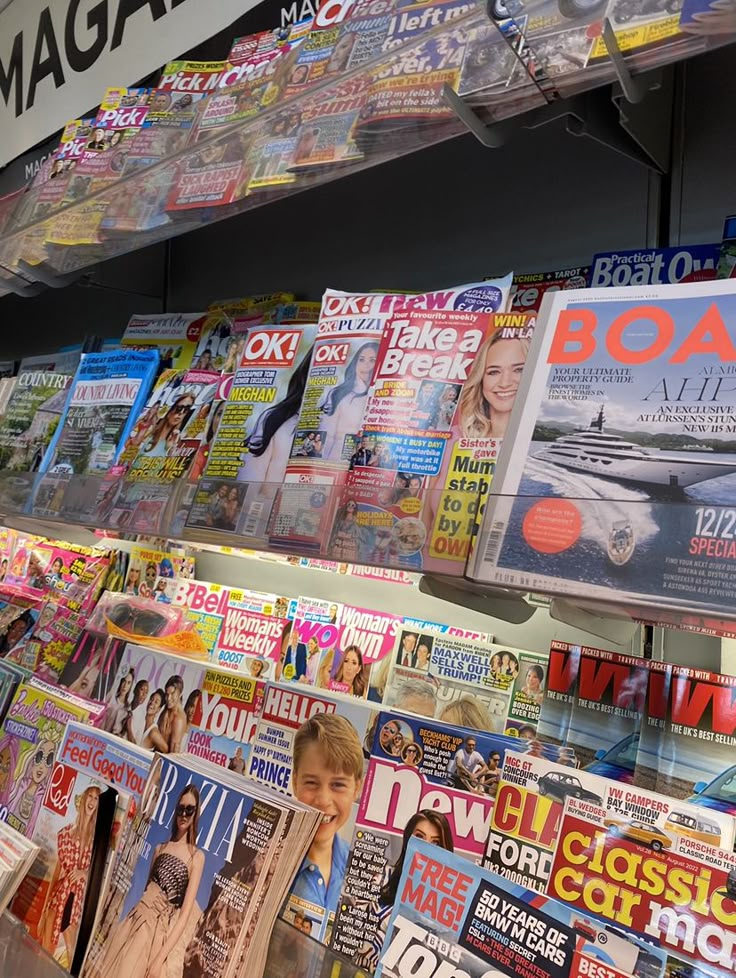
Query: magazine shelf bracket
[505,605]
[635,89]
[638,131]
[45,277]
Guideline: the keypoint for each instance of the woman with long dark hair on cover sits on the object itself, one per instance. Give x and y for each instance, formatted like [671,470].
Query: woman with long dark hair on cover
[142,942]
[154,445]
[269,444]
[426,824]
[345,405]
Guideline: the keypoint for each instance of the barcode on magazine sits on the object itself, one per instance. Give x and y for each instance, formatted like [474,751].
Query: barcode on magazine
[493,543]
[255,512]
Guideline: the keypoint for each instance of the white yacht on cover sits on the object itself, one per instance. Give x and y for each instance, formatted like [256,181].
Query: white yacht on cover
[594,450]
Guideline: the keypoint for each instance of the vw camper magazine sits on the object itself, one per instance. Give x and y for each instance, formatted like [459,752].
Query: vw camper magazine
[457,919]
[525,823]
[618,473]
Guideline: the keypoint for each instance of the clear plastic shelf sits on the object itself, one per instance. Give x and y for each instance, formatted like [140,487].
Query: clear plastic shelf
[665,556]
[290,953]
[21,956]
[267,152]
[416,530]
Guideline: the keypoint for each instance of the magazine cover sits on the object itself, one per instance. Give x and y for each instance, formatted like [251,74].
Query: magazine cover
[171,434]
[70,574]
[49,194]
[312,746]
[31,734]
[442,391]
[424,778]
[339,647]
[624,410]
[75,821]
[93,665]
[34,409]
[327,441]
[526,821]
[52,641]
[153,699]
[164,132]
[244,631]
[198,840]
[325,139]
[471,684]
[146,566]
[528,289]
[457,918]
[694,738]
[105,396]
[224,720]
[256,427]
[19,615]
[391,100]
[607,709]
[422,363]
[120,116]
[653,266]
[220,174]
[682,898]
[174,334]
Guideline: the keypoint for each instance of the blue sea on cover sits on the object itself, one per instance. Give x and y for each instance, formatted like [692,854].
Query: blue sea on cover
[662,525]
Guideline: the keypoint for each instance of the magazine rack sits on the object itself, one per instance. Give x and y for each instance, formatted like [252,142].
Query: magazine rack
[508,68]
[666,558]
[21,956]
[162,509]
[290,953]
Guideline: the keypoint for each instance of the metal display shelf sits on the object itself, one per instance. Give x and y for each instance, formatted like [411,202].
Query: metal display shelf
[513,73]
[290,953]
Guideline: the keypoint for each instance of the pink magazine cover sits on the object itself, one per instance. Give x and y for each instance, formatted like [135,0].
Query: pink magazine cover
[245,631]
[338,647]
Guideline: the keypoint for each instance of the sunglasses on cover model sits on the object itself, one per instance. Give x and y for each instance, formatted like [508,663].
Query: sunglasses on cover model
[39,756]
[185,811]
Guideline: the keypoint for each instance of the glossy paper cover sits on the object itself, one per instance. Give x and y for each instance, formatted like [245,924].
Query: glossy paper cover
[457,917]
[223,866]
[618,473]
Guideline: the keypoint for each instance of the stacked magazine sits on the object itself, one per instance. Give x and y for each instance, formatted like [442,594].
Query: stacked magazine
[202,871]
[617,474]
[459,919]
[96,784]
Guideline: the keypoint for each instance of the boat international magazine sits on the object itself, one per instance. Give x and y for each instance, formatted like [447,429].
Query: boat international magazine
[618,470]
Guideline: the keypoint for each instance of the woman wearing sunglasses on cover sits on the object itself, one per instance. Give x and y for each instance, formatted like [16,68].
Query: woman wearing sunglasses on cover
[32,776]
[155,446]
[141,944]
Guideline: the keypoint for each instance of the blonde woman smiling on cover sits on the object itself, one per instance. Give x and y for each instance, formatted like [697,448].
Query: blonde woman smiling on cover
[489,393]
[484,406]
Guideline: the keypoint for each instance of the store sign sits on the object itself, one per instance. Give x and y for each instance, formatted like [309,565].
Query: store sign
[57,57]
[298,10]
